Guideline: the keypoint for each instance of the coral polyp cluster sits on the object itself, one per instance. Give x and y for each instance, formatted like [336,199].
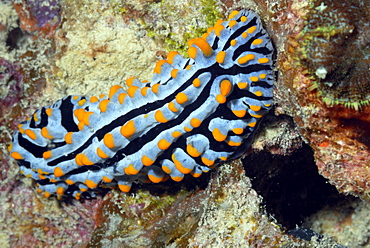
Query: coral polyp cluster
[334,48]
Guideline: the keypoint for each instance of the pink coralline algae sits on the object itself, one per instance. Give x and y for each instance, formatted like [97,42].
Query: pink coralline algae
[11,86]
[45,12]
[41,16]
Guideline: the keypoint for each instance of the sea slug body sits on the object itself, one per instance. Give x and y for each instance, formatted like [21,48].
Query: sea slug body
[196,113]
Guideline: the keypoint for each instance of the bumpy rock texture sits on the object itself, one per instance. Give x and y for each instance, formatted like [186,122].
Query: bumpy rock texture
[85,47]
[320,62]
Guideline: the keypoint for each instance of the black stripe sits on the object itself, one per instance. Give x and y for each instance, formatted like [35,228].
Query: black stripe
[134,145]
[43,119]
[66,110]
[37,150]
[261,83]
[24,163]
[215,43]
[128,116]
[186,64]
[32,122]
[247,47]
[239,32]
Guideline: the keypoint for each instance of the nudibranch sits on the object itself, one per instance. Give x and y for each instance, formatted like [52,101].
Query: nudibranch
[197,112]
